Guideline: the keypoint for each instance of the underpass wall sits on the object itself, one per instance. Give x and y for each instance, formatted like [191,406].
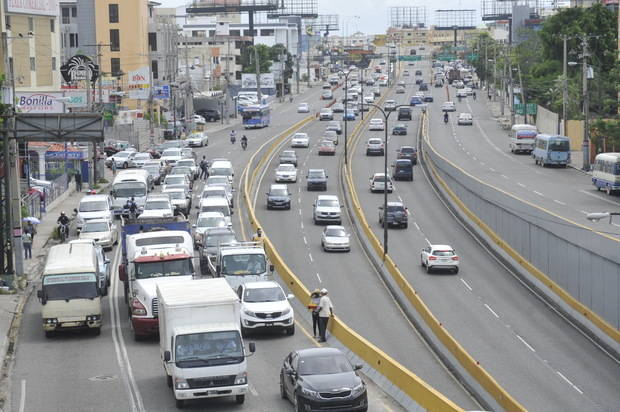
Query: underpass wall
[577,268]
[546,120]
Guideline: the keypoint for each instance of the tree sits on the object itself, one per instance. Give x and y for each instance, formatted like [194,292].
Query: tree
[278,50]
[248,56]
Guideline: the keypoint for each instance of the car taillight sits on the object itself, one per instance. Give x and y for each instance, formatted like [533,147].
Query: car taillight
[455,258]
[432,258]
[137,308]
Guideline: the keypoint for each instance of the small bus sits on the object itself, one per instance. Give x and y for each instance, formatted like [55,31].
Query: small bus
[256,116]
[551,150]
[606,172]
[522,137]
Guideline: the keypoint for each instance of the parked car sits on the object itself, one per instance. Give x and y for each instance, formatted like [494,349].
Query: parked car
[278,196]
[439,257]
[210,115]
[397,215]
[122,159]
[335,239]
[197,139]
[316,179]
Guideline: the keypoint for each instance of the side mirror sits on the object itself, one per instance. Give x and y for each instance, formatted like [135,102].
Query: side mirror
[252,347]
[167,356]
[290,296]
[40,294]
[272,268]
[193,226]
[358,367]
[75,211]
[197,207]
[122,272]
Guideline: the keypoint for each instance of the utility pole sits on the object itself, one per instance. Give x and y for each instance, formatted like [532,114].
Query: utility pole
[257,64]
[151,117]
[522,94]
[586,104]
[510,88]
[362,96]
[564,85]
[486,68]
[189,110]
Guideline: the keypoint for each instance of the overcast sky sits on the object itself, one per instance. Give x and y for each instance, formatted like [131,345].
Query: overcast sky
[373,14]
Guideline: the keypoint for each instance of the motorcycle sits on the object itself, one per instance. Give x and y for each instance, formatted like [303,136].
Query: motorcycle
[244,144]
[445,118]
[63,232]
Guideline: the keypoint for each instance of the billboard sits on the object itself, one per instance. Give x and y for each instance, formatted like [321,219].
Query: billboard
[40,102]
[138,83]
[248,81]
[38,7]
[161,92]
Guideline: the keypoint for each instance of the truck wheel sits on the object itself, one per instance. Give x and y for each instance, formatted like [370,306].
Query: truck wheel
[290,331]
[169,381]
[180,403]
[428,268]
[239,399]
[49,334]
[96,331]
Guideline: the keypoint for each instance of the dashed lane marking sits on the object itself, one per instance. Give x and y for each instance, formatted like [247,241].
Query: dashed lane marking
[491,310]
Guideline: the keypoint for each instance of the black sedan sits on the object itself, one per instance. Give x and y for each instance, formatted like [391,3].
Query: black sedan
[399,130]
[428,98]
[322,379]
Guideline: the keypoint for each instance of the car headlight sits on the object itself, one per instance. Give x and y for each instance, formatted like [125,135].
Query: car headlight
[249,313]
[286,311]
[309,393]
[50,321]
[181,384]
[358,390]
[241,379]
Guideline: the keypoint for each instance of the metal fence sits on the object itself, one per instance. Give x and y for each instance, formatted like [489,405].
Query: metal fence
[32,202]
[584,263]
[59,186]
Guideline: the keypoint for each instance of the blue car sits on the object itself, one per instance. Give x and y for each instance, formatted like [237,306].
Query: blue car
[349,115]
[415,100]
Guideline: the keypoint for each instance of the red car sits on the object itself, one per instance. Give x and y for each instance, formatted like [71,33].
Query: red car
[327,148]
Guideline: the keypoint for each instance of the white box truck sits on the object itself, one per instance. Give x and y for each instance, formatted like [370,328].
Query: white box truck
[200,340]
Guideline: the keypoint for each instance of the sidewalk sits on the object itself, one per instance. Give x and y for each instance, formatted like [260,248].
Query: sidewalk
[11,305]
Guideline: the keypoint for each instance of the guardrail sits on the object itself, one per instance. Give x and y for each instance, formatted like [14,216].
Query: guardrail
[409,383]
[473,367]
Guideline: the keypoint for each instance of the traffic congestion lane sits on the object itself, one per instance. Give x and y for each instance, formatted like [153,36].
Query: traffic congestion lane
[349,277]
[482,150]
[490,305]
[76,358]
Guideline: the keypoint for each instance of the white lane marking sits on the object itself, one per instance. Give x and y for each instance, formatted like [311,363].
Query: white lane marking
[416,225]
[400,198]
[584,212]
[569,382]
[22,396]
[427,241]
[617,204]
[302,225]
[521,184]
[538,193]
[466,284]
[482,164]
[310,256]
[559,202]
[491,310]
[119,343]
[491,169]
[319,277]
[505,177]
[299,210]
[299,189]
[305,240]
[253,390]
[475,158]
[299,199]
[525,343]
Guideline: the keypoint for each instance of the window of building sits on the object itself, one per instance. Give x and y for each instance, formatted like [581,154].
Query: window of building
[267,32]
[73,12]
[113,13]
[73,40]
[155,69]
[65,15]
[235,33]
[31,24]
[33,64]
[52,26]
[247,32]
[211,33]
[115,43]
[53,63]
[153,41]
[115,66]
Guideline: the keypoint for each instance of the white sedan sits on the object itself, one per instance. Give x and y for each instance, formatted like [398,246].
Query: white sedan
[465,119]
[300,140]
[303,108]
[439,257]
[197,139]
[286,173]
[102,231]
[198,119]
[376,124]
[335,238]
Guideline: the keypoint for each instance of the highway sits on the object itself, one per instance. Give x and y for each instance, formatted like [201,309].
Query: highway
[78,372]
[482,150]
[359,296]
[536,355]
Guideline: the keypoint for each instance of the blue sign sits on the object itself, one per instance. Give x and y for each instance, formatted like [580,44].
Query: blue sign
[71,155]
[161,92]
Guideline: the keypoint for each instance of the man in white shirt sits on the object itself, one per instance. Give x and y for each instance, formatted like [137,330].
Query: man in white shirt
[326,309]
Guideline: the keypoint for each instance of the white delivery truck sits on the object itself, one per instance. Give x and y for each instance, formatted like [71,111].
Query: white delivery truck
[200,340]
[70,292]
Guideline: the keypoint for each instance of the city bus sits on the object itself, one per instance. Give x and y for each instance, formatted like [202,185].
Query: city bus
[256,116]
[551,150]
[606,172]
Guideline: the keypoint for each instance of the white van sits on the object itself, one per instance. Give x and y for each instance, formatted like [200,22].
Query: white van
[127,184]
[222,168]
[93,207]
[70,292]
[216,204]
[522,138]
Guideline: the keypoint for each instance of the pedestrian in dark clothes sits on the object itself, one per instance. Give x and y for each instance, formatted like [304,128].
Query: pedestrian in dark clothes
[315,297]
[78,182]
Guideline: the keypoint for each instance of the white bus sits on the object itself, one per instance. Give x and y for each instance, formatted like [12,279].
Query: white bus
[606,172]
[522,137]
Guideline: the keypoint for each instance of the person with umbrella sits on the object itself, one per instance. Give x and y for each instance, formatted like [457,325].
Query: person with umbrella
[31,221]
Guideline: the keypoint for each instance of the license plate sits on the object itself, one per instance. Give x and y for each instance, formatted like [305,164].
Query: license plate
[445,260]
[268,323]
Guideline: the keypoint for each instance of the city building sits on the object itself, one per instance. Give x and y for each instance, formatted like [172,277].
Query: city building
[163,45]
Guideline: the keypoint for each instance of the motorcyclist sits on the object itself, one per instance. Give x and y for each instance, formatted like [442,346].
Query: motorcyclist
[132,207]
[445,117]
[244,142]
[63,222]
[474,95]
[233,136]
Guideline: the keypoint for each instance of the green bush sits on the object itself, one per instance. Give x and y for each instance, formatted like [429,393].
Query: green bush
[103,180]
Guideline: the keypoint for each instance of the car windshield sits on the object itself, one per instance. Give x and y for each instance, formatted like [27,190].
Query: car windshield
[181,170]
[221,171]
[176,195]
[208,349]
[129,190]
[215,221]
[395,209]
[286,168]
[248,264]
[93,206]
[381,178]
[253,295]
[152,169]
[278,192]
[407,150]
[71,286]
[216,239]
[327,144]
[186,163]
[164,268]
[375,141]
[315,174]
[95,227]
[174,180]
[171,152]
[216,208]
[300,136]
[335,232]
[558,145]
[214,192]
[156,205]
[287,154]
[328,203]
[218,180]
[324,365]
[142,156]
[122,154]
[443,253]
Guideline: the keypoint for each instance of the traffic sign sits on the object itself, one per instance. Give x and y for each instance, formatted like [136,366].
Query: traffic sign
[531,108]
[409,58]
[446,57]
[472,56]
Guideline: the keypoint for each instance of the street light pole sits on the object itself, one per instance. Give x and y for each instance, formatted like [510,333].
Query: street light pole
[346,88]
[564,85]
[586,106]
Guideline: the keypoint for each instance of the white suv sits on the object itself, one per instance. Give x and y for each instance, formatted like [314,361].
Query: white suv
[326,114]
[439,257]
[265,306]
[157,206]
[327,209]
[376,124]
[379,182]
[93,207]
